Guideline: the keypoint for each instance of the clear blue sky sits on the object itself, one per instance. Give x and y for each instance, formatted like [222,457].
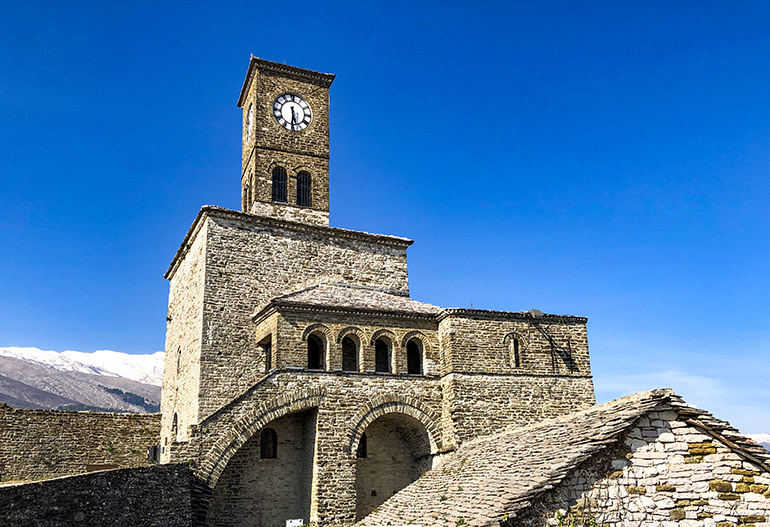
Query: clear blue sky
[604,159]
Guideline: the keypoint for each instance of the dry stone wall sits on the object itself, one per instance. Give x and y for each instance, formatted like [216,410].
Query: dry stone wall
[38,444]
[160,496]
[667,474]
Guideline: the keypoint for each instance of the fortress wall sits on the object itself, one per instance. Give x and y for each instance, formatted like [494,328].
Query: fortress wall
[38,444]
[250,260]
[137,497]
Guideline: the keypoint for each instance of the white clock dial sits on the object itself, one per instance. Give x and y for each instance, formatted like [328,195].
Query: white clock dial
[292,112]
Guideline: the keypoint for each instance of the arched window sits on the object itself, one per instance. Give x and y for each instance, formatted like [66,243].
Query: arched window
[303,189]
[268,444]
[362,450]
[174,427]
[381,356]
[315,353]
[413,357]
[279,184]
[349,354]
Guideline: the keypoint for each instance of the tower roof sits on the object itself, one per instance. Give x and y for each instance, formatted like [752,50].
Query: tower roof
[256,63]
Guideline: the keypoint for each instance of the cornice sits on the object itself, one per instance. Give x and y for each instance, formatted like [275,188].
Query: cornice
[262,314]
[322,79]
[256,219]
[488,314]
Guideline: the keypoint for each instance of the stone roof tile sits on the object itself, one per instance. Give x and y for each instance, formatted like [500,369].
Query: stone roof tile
[505,472]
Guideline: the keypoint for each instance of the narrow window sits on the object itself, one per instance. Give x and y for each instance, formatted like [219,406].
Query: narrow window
[361,451]
[279,184]
[268,444]
[303,189]
[268,347]
[515,348]
[315,353]
[413,357]
[381,356]
[249,123]
[349,355]
[174,427]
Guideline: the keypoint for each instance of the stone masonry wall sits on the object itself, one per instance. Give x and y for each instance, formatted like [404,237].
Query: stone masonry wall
[159,496]
[37,444]
[250,260]
[484,391]
[668,474]
[184,331]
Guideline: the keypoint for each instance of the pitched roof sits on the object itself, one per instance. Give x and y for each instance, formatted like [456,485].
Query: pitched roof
[504,472]
[345,297]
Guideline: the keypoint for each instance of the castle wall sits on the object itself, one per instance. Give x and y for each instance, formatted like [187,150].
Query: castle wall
[250,260]
[484,390]
[37,444]
[184,330]
[668,473]
[138,497]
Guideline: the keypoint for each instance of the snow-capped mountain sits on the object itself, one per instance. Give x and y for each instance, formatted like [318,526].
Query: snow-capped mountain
[146,369]
[73,380]
[762,439]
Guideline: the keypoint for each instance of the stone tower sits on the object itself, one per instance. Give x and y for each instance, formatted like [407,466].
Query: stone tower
[285,152]
[301,381]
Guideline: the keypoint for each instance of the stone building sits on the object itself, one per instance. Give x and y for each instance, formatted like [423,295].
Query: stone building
[302,384]
[301,380]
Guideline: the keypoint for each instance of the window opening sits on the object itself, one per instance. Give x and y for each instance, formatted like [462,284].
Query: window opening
[515,345]
[315,353]
[413,358]
[268,444]
[279,184]
[174,427]
[303,189]
[349,355]
[381,356]
[361,451]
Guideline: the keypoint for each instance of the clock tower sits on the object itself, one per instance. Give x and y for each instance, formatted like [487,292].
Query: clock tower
[285,152]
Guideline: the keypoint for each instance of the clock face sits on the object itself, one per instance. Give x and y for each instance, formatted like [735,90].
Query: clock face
[292,112]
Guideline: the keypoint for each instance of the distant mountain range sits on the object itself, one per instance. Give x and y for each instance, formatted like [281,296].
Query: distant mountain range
[104,380]
[762,439]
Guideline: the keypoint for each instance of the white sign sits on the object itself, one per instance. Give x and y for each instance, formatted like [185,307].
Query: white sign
[295,523]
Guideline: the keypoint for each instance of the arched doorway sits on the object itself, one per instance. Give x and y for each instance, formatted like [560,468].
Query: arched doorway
[268,480]
[397,451]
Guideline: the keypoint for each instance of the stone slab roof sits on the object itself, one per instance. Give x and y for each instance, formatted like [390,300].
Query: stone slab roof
[346,297]
[505,472]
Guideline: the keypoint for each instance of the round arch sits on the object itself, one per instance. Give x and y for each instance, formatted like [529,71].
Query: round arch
[351,330]
[417,335]
[318,328]
[217,458]
[398,404]
[388,334]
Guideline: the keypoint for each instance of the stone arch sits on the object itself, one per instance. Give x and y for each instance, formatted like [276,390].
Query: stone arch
[419,335]
[317,328]
[351,330]
[389,404]
[217,458]
[388,334]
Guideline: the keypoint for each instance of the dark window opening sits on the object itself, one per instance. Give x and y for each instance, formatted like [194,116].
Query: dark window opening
[279,184]
[381,356]
[174,427]
[516,352]
[315,353]
[267,349]
[349,355]
[268,444]
[303,189]
[362,451]
[413,358]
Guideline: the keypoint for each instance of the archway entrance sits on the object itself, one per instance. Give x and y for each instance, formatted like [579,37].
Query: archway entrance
[393,452]
[268,481]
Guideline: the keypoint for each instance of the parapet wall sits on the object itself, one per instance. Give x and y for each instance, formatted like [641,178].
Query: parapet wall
[39,444]
[137,497]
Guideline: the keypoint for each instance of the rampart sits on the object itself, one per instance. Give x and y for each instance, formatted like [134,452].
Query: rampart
[137,497]
[39,444]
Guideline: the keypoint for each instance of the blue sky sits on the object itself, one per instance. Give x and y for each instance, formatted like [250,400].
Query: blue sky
[603,159]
